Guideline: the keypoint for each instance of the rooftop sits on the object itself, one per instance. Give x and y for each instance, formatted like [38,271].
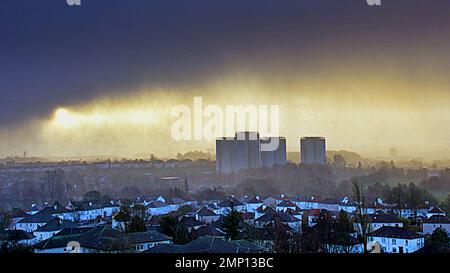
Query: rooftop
[395,232]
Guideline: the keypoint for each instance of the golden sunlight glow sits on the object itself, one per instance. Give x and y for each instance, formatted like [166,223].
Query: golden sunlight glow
[367,115]
[101,117]
[64,118]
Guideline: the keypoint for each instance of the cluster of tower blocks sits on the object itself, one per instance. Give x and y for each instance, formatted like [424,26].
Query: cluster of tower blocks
[243,151]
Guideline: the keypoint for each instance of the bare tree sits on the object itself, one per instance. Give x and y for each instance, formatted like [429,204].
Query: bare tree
[361,212]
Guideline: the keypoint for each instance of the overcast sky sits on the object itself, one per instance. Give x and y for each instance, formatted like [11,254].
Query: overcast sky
[53,55]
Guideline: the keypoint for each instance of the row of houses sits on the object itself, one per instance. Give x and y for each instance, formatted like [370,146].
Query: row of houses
[36,217]
[54,225]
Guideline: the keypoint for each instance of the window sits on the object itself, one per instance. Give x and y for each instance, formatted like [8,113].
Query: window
[394,241]
[406,242]
[394,250]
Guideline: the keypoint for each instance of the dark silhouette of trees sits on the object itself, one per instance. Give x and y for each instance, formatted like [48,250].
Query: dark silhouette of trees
[439,236]
[361,211]
[171,227]
[281,236]
[310,240]
[92,196]
[445,205]
[212,194]
[340,161]
[54,185]
[136,224]
[231,224]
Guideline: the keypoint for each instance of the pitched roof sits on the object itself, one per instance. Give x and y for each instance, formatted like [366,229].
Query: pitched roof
[36,218]
[205,212]
[230,202]
[84,205]
[381,217]
[74,230]
[55,209]
[145,237]
[281,216]
[436,210]
[255,200]
[56,224]
[56,241]
[190,222]
[286,203]
[157,204]
[122,216]
[266,209]
[102,238]
[437,219]
[207,244]
[395,232]
[209,230]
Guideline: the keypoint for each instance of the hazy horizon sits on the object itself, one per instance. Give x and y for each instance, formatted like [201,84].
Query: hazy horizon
[367,79]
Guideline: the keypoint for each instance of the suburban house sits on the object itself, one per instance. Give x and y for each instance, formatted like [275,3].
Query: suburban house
[190,223]
[271,201]
[435,211]
[262,210]
[397,239]
[34,209]
[84,210]
[270,218]
[142,241]
[52,228]
[101,239]
[225,206]
[329,204]
[158,208]
[206,215]
[16,215]
[16,236]
[307,203]
[380,219]
[120,220]
[434,222]
[314,214]
[108,209]
[418,211]
[348,206]
[284,205]
[253,204]
[33,222]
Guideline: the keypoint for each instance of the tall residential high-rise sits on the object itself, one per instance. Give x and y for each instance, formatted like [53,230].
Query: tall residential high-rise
[313,150]
[244,152]
[276,157]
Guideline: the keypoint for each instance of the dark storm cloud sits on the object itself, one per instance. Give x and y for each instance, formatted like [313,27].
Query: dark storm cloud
[52,54]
